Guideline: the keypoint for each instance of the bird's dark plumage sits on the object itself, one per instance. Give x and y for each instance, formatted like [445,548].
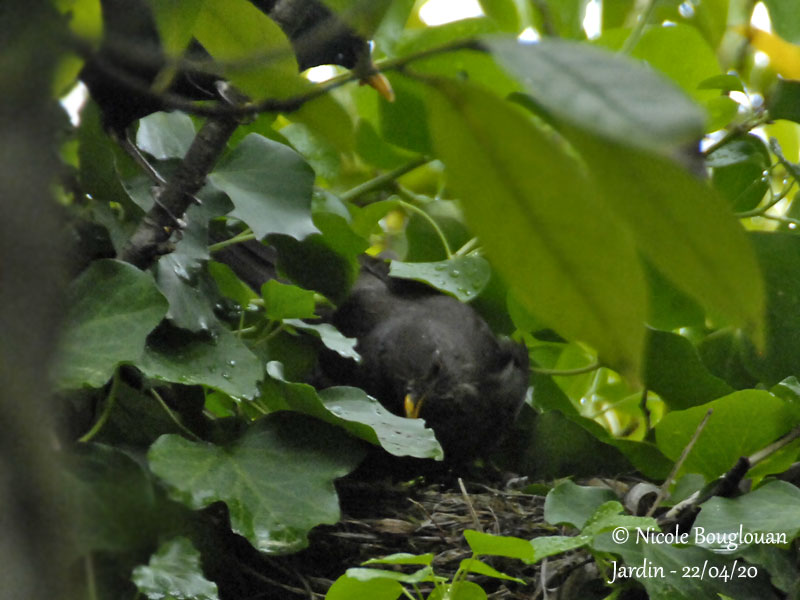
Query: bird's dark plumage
[422,346]
[417,345]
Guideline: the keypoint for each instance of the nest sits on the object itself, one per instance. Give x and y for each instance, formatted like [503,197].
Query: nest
[381,518]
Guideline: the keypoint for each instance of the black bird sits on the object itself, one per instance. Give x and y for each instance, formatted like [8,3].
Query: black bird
[424,354]
[120,74]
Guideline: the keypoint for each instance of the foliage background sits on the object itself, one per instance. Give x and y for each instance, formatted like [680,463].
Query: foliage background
[633,200]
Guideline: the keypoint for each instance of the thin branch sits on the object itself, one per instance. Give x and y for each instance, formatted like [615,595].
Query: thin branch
[151,238]
[664,490]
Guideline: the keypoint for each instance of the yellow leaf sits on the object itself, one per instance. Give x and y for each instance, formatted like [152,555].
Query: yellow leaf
[784,57]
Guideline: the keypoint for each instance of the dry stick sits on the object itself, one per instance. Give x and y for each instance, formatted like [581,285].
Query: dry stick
[725,484]
[664,490]
[469,504]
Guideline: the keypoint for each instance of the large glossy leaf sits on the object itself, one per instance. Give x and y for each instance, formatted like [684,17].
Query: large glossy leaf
[270,186]
[607,94]
[779,255]
[463,277]
[742,423]
[674,371]
[565,257]
[174,571]
[353,410]
[277,480]
[260,59]
[680,225]
[222,362]
[683,227]
[112,308]
[773,508]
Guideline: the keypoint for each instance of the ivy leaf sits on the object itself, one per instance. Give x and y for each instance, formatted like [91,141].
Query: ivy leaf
[463,277]
[113,307]
[174,571]
[277,480]
[774,509]
[484,544]
[283,301]
[165,135]
[270,186]
[223,363]
[353,410]
[574,504]
[741,423]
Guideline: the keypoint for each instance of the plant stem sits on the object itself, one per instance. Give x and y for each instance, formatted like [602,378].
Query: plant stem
[173,417]
[383,179]
[407,204]
[110,401]
[244,236]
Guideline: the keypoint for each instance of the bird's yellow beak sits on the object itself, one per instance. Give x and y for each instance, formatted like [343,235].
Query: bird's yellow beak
[381,84]
[412,406]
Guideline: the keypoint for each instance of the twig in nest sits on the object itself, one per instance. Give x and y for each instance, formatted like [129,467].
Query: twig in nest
[468,502]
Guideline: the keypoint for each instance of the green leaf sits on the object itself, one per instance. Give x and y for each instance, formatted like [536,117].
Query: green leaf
[779,255]
[463,277]
[330,336]
[674,371]
[112,308]
[739,169]
[402,558]
[682,54]
[165,135]
[784,18]
[784,101]
[270,186]
[261,60]
[347,588]
[174,571]
[283,301]
[175,21]
[484,544]
[353,410]
[223,363]
[111,498]
[556,544]
[608,517]
[277,480]
[229,284]
[473,565]
[604,93]
[544,234]
[772,509]
[460,590]
[742,423]
[502,12]
[683,228]
[423,574]
[574,504]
